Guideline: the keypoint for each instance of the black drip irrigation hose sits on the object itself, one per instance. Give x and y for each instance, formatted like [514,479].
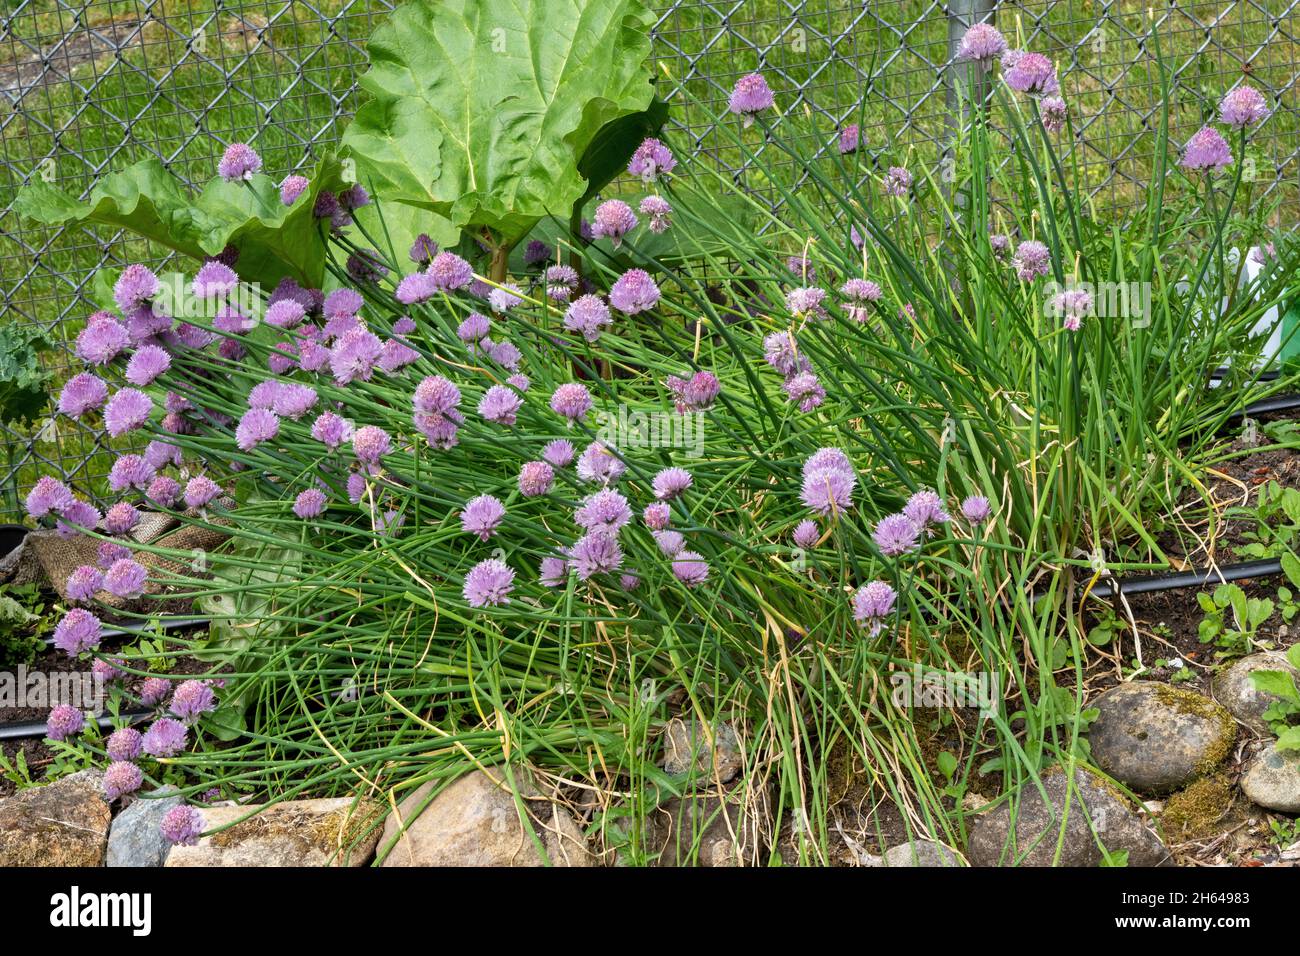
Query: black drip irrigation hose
[1197,577]
[25,729]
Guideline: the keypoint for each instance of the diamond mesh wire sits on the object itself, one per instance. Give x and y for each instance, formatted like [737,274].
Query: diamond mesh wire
[87,87]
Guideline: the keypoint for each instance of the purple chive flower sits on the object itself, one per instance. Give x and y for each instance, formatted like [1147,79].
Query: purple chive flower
[802,267]
[925,509]
[560,282]
[404,326]
[489,582]
[499,405]
[898,182]
[1242,107]
[552,572]
[255,427]
[690,568]
[121,778]
[597,463]
[331,430]
[634,291]
[354,197]
[605,510]
[214,280]
[1072,305]
[656,515]
[135,287]
[669,542]
[423,250]
[1054,113]
[805,390]
[827,459]
[154,691]
[670,483]
[160,454]
[232,321]
[503,353]
[292,188]
[571,400]
[164,738]
[474,328]
[1031,260]
[182,826]
[355,355]
[102,339]
[416,288]
[1000,246]
[535,253]
[896,534]
[396,355]
[130,471]
[285,314]
[806,303]
[976,509]
[110,551]
[200,491]
[279,361]
[614,219]
[872,604]
[83,582]
[519,383]
[587,316]
[106,669]
[558,453]
[370,443]
[126,579]
[651,159]
[806,534]
[1032,74]
[123,744]
[482,516]
[121,518]
[64,721]
[343,302]
[781,352]
[983,43]
[505,297]
[694,394]
[294,400]
[659,212]
[535,478]
[436,395]
[828,491]
[309,503]
[327,206]
[450,272]
[147,364]
[239,161]
[596,552]
[357,487]
[77,631]
[193,699]
[126,410]
[1206,151]
[82,393]
[163,491]
[78,516]
[850,139]
[861,294]
[263,393]
[750,97]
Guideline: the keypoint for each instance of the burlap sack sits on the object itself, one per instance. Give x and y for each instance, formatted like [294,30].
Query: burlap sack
[47,558]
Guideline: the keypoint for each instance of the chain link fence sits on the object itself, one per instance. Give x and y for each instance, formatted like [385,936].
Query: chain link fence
[87,87]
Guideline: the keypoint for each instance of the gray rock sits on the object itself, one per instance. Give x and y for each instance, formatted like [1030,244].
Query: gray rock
[1233,688]
[1272,780]
[475,822]
[1155,738]
[135,838]
[922,853]
[332,832]
[700,830]
[64,823]
[1093,806]
[713,752]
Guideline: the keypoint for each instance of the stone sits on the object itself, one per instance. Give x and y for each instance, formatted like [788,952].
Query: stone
[475,822]
[135,838]
[1093,806]
[713,752]
[922,853]
[336,831]
[1233,688]
[1155,738]
[64,823]
[704,830]
[1272,780]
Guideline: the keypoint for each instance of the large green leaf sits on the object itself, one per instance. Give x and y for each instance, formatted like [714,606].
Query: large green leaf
[482,109]
[274,241]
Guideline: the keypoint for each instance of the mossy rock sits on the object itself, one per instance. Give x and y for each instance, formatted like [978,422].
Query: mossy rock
[64,823]
[1195,813]
[1155,738]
